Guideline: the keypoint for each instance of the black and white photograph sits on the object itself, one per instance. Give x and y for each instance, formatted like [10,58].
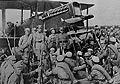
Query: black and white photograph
[59,41]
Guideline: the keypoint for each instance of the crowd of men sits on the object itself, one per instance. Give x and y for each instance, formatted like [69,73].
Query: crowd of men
[64,58]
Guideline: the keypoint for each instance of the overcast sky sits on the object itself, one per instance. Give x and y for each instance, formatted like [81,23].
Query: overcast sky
[106,12]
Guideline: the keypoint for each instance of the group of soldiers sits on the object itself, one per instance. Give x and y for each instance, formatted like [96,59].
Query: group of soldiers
[64,58]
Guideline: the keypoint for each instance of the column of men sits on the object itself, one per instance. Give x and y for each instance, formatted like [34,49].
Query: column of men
[58,59]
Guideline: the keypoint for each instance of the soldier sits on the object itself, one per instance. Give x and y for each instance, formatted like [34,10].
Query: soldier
[32,35]
[52,55]
[63,72]
[98,73]
[116,77]
[6,68]
[23,70]
[62,38]
[23,40]
[52,39]
[81,68]
[30,39]
[38,44]
[97,31]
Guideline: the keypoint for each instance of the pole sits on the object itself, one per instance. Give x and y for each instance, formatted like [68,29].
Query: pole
[31,12]
[22,15]
[40,59]
[3,20]
[14,35]
[86,24]
[87,19]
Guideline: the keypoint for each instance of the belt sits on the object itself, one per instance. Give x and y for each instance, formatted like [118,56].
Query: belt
[38,41]
[64,79]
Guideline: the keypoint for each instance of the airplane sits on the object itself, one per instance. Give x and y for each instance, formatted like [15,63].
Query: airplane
[51,15]
[32,5]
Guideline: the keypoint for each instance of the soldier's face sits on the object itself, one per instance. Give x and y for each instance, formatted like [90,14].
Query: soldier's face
[39,29]
[61,31]
[92,42]
[53,31]
[25,58]
[63,44]
[27,32]
[52,51]
[34,30]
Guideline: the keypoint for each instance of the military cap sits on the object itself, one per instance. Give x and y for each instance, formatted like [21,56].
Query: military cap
[60,58]
[95,59]
[113,39]
[27,29]
[52,29]
[52,49]
[61,28]
[90,49]
[45,30]
[79,53]
[39,26]
[68,54]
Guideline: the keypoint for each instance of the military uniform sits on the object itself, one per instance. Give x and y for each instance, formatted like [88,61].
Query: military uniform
[8,71]
[81,69]
[61,38]
[23,40]
[99,73]
[52,40]
[63,72]
[38,44]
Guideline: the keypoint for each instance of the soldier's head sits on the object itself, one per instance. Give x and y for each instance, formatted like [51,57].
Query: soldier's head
[17,53]
[113,40]
[90,51]
[60,58]
[61,29]
[63,43]
[68,54]
[39,28]
[34,30]
[27,31]
[79,53]
[9,24]
[25,57]
[52,30]
[52,50]
[102,41]
[95,60]
[97,28]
